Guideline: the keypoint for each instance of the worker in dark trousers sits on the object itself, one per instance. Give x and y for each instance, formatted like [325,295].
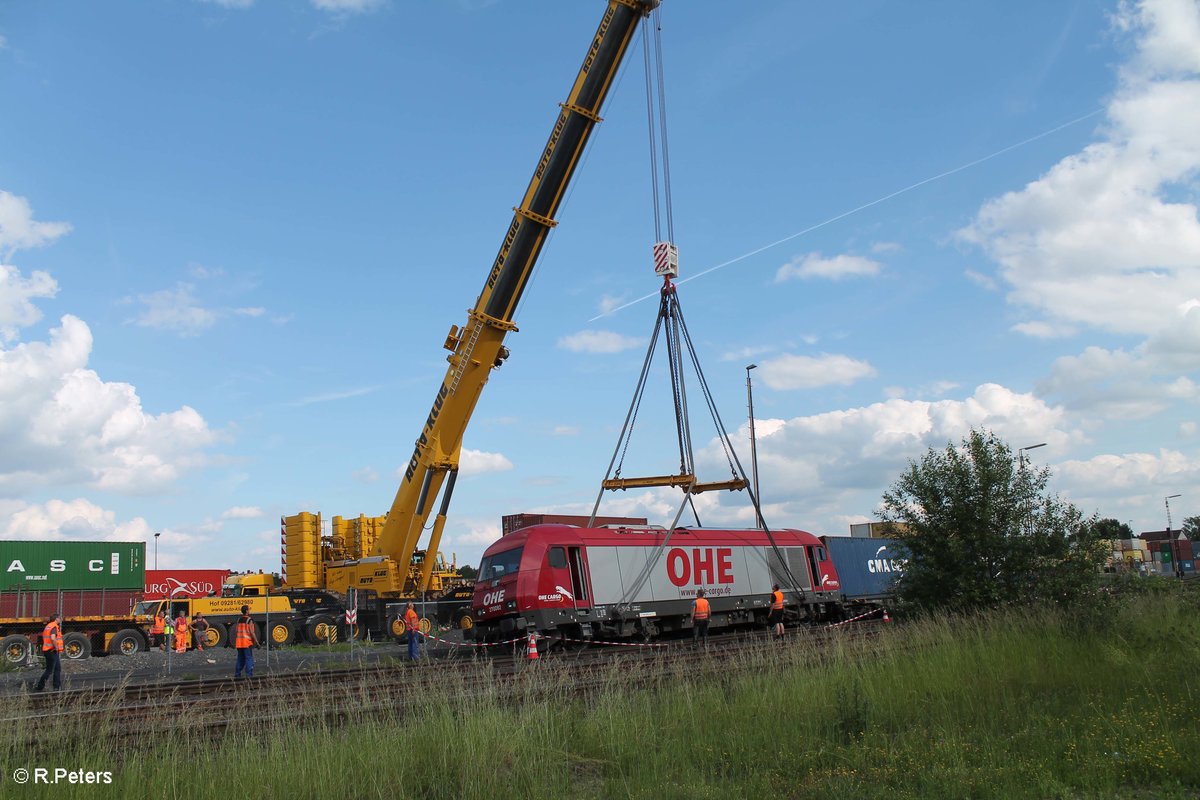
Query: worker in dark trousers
[776,616]
[52,647]
[700,615]
[412,626]
[245,639]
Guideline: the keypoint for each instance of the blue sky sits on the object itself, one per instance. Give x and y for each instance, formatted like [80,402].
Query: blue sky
[233,236]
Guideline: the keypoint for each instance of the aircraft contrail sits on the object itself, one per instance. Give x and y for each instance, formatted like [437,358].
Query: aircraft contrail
[864,206]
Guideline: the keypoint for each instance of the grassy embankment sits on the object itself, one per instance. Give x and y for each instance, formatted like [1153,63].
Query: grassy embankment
[1011,705]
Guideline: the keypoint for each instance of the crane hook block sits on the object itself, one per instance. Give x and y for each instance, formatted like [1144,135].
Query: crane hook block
[666,260]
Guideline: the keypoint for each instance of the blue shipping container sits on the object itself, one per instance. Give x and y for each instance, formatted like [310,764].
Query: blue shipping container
[867,567]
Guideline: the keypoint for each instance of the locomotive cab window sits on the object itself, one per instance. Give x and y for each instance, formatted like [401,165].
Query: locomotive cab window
[500,564]
[558,557]
[820,554]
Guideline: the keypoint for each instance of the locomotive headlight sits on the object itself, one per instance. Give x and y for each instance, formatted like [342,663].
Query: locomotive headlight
[510,605]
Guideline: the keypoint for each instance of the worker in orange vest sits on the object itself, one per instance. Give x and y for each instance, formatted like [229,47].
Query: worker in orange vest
[776,616]
[412,626]
[156,631]
[245,639]
[52,647]
[181,633]
[700,615]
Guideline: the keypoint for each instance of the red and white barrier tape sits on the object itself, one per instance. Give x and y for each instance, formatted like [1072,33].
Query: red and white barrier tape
[616,644]
[855,619]
[475,644]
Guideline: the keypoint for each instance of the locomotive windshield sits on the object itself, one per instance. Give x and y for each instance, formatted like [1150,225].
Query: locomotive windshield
[500,564]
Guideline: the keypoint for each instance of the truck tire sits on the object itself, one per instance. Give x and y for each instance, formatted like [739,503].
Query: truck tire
[282,633]
[126,643]
[320,629]
[15,649]
[463,620]
[396,628]
[214,637]
[77,645]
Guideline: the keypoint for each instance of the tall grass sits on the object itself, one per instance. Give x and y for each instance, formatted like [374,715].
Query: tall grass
[1008,705]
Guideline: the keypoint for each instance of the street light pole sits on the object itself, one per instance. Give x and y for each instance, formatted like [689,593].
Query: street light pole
[1170,543]
[1021,451]
[758,520]
[156,535]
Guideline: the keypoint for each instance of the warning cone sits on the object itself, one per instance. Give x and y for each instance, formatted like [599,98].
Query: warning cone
[532,646]
[886,618]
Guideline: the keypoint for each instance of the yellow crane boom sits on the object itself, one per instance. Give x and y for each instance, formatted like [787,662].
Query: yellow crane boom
[478,346]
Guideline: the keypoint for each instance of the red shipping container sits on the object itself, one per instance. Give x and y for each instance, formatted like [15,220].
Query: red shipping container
[71,603]
[162,583]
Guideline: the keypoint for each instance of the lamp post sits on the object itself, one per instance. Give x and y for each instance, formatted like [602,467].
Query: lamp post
[758,520]
[1021,451]
[156,535]
[1170,543]
[1021,467]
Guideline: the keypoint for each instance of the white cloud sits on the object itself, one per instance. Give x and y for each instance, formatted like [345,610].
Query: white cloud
[250,312]
[836,268]
[1097,240]
[347,6]
[1044,330]
[477,462]
[1133,471]
[886,247]
[18,231]
[77,519]
[1187,429]
[175,310]
[3,42]
[232,4]
[978,278]
[1120,383]
[61,424]
[807,372]
[599,342]
[566,430]
[365,475]
[242,512]
[608,303]
[16,292]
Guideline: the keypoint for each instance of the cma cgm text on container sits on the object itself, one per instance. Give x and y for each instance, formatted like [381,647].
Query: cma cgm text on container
[162,583]
[72,565]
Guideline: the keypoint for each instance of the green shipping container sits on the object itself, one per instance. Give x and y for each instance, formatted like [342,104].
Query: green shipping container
[72,565]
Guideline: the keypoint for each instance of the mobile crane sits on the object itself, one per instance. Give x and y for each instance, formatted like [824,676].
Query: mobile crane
[396,568]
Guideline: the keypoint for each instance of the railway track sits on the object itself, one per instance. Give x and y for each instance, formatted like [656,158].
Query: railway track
[212,707]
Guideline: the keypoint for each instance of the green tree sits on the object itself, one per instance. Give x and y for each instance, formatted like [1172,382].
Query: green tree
[981,530]
[1191,528]
[468,572]
[1109,528]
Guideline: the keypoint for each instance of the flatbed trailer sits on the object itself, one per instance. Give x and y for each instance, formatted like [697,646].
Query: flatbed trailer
[94,622]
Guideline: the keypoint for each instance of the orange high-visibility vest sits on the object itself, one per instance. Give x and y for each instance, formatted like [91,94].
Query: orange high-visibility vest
[776,601]
[52,637]
[411,621]
[181,625]
[159,623]
[700,609]
[245,634]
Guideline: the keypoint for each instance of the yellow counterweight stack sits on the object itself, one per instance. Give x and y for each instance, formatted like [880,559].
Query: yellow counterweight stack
[303,567]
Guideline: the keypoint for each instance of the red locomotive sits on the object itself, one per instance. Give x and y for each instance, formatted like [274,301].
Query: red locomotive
[620,582]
